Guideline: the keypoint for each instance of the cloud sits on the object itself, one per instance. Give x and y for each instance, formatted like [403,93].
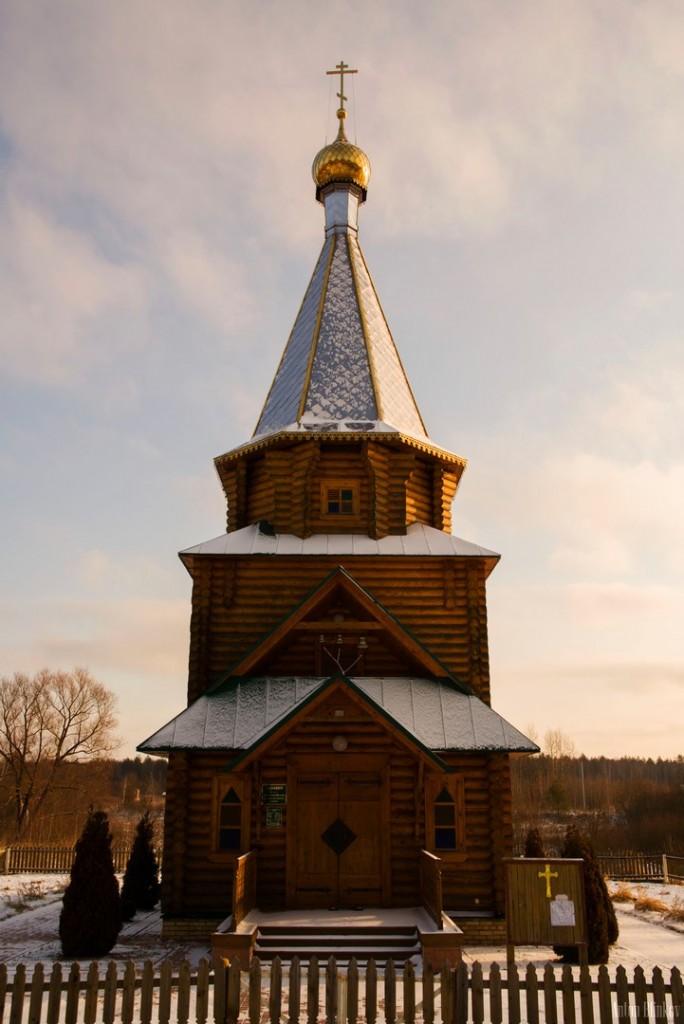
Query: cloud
[140,637]
[137,576]
[210,282]
[166,115]
[55,290]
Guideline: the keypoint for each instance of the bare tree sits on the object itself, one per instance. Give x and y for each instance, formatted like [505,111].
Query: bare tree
[47,721]
[557,744]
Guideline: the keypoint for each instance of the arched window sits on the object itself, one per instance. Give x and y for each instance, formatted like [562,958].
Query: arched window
[446,835]
[445,815]
[230,822]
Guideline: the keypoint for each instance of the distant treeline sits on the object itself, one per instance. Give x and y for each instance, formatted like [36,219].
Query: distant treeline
[624,803]
[123,788]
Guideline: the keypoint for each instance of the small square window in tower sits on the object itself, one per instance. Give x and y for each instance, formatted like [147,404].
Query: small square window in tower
[339,501]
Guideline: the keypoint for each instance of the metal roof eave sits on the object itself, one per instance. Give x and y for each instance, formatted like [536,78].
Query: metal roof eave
[287,436]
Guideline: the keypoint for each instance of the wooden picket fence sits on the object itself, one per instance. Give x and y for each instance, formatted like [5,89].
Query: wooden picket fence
[314,993]
[642,867]
[633,867]
[25,859]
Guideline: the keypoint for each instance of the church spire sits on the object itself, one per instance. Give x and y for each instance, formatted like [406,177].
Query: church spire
[340,370]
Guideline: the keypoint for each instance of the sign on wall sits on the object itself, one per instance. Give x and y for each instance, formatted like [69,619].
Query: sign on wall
[274,793]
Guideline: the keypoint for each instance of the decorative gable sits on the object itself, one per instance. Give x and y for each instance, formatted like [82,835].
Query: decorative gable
[341,628]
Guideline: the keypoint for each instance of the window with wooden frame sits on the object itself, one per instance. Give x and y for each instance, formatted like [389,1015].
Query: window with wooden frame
[445,815]
[230,814]
[339,498]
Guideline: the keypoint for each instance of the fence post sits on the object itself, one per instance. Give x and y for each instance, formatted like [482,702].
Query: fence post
[461,1015]
[352,991]
[586,1004]
[513,985]
[409,993]
[220,990]
[532,994]
[428,994]
[312,991]
[666,874]
[677,989]
[390,992]
[18,987]
[36,1000]
[331,991]
[275,996]
[495,999]
[54,994]
[254,998]
[640,993]
[371,992]
[233,998]
[294,989]
[183,997]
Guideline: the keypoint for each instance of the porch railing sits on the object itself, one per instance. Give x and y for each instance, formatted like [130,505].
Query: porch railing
[244,886]
[431,886]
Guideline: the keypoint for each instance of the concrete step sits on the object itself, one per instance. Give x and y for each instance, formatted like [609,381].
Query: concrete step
[381,944]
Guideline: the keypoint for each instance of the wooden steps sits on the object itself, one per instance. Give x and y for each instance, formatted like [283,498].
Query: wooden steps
[379,943]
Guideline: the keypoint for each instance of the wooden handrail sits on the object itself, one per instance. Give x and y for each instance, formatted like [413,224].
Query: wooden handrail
[431,886]
[244,886]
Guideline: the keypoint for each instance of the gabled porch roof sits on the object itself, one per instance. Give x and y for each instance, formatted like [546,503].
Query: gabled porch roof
[244,712]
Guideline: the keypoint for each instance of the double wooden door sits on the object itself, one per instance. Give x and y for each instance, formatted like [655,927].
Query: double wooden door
[337,838]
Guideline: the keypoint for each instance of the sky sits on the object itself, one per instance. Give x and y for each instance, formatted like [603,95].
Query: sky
[525,231]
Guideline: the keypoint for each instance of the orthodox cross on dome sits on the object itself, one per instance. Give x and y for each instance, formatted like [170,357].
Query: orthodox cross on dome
[342,69]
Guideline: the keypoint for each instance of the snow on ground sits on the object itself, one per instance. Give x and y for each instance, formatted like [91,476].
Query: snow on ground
[30,906]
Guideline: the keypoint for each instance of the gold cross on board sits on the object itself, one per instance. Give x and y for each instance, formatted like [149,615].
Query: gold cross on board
[342,69]
[548,874]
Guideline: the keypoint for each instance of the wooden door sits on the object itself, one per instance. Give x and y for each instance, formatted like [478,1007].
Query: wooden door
[338,839]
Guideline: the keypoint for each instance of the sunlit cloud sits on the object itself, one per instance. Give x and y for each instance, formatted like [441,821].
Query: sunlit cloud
[55,289]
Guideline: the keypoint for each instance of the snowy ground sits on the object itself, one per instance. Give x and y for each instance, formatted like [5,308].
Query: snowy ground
[30,905]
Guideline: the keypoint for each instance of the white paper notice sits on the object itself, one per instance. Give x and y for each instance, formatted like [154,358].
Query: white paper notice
[562,912]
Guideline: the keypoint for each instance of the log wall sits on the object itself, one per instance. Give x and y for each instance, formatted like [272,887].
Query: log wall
[197,880]
[237,601]
[281,484]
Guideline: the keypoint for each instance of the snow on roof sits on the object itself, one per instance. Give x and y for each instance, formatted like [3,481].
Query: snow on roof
[242,713]
[418,540]
[340,361]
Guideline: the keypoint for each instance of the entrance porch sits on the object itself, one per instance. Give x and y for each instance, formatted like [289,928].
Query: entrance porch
[378,933]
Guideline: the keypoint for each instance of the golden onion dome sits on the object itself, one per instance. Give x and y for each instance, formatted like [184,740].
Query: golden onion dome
[341,161]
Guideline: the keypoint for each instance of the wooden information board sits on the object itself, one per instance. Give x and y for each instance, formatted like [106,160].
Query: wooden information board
[545,903]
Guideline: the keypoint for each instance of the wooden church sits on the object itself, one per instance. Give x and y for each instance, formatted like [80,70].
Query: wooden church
[339,733]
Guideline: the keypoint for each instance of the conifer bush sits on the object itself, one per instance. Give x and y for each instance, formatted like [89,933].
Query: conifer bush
[534,846]
[140,889]
[602,926]
[90,920]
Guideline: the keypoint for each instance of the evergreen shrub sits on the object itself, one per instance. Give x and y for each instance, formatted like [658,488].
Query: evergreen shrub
[90,919]
[140,889]
[534,846]
[602,926]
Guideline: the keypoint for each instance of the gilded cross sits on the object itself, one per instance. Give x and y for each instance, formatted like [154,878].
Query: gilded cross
[548,874]
[342,69]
